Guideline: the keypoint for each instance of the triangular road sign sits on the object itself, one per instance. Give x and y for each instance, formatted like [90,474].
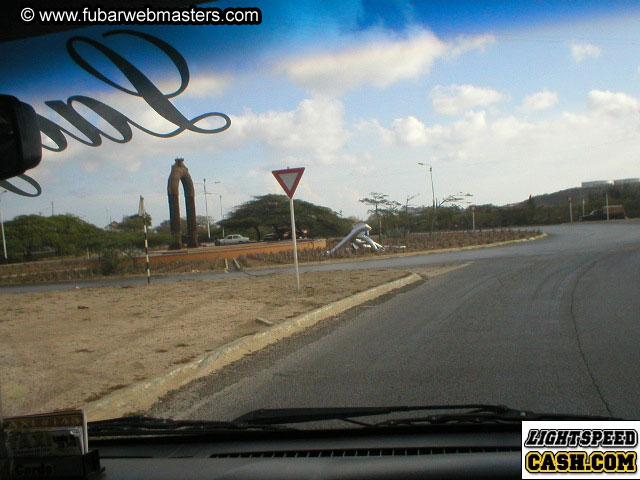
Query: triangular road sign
[289,179]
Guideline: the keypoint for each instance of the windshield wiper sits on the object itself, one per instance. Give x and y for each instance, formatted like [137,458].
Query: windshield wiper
[274,419]
[465,413]
[150,426]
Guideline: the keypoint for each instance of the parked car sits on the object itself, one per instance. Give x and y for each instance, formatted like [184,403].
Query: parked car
[232,240]
[271,237]
[284,234]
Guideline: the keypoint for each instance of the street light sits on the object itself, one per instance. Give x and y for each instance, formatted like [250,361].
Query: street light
[433,194]
[4,241]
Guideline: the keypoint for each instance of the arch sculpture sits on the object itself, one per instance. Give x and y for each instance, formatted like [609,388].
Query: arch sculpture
[180,173]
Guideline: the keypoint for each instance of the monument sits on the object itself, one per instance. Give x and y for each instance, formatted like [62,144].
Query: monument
[180,173]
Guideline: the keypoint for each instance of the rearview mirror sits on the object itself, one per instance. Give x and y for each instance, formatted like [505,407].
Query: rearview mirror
[20,143]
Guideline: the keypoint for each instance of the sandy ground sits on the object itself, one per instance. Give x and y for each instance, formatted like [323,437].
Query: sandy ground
[63,349]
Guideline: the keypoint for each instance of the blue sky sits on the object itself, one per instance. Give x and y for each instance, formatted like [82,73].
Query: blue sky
[504,99]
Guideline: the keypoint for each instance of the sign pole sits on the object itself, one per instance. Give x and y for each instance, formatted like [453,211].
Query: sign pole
[288,180]
[142,213]
[295,245]
[570,211]
[570,198]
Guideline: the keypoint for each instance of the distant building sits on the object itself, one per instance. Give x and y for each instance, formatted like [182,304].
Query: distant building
[626,181]
[112,227]
[597,183]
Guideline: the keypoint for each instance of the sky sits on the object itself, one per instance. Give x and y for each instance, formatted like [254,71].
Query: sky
[503,99]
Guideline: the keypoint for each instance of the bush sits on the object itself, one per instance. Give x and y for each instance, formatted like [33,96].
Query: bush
[110,261]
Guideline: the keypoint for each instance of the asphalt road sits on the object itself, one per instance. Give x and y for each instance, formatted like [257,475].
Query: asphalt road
[551,325]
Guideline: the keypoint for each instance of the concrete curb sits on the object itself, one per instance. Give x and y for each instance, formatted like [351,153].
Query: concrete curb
[397,255]
[142,395]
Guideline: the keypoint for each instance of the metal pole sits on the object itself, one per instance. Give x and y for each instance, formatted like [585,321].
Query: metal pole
[570,212]
[221,216]
[473,216]
[433,198]
[4,241]
[206,207]
[295,245]
[606,196]
[583,207]
[146,248]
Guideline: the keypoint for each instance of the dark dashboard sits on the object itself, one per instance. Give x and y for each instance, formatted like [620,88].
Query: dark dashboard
[476,451]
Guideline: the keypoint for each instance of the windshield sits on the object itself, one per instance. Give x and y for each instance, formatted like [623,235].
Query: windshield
[260,205]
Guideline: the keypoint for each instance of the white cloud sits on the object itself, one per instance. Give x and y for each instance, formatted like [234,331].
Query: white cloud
[410,131]
[464,44]
[379,63]
[615,104]
[314,129]
[207,85]
[200,85]
[456,99]
[582,51]
[611,116]
[539,101]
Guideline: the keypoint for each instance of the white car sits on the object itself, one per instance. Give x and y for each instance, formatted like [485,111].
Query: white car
[232,239]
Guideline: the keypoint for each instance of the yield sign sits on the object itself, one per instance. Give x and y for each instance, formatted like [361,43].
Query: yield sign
[289,179]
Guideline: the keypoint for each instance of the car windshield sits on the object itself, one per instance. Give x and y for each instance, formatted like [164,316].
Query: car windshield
[273,204]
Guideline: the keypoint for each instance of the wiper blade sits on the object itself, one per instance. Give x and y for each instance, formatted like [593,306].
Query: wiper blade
[301,415]
[483,416]
[470,413]
[150,426]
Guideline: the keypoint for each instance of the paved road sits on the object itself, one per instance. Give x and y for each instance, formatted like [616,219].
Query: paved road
[551,325]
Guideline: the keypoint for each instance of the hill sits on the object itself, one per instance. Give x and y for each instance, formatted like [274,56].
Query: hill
[594,197]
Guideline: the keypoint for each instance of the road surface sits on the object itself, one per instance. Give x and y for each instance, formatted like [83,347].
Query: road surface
[551,325]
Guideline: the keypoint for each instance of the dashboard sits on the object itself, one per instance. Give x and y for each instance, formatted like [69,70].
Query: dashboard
[467,452]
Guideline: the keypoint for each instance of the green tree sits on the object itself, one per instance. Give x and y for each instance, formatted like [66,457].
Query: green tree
[270,212]
[133,223]
[28,235]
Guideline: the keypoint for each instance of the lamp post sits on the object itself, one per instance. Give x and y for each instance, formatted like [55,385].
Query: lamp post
[433,194]
[4,241]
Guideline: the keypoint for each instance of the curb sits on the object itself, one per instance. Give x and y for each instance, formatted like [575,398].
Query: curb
[398,255]
[142,395]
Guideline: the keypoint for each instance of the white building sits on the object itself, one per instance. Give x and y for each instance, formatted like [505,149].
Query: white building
[626,181]
[597,183]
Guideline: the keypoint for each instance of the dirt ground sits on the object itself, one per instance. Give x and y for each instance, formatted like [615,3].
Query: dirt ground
[63,349]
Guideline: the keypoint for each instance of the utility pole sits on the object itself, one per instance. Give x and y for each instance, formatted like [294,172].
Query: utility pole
[606,197]
[52,209]
[221,216]
[433,195]
[206,208]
